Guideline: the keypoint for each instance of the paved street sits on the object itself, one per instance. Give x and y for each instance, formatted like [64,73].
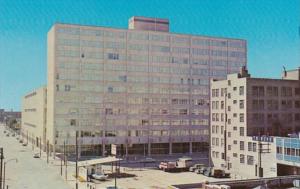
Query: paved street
[29,172]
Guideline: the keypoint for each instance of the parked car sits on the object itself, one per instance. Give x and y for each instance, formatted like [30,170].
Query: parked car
[21,141]
[36,155]
[217,173]
[100,176]
[195,167]
[14,135]
[7,134]
[201,170]
[208,172]
[4,131]
[24,144]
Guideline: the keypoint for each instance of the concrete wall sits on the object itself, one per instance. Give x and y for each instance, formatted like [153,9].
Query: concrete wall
[34,116]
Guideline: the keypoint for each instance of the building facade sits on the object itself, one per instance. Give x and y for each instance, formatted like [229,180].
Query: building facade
[242,108]
[144,88]
[33,127]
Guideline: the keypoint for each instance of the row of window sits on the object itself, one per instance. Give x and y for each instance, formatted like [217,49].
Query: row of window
[223,91]
[288,151]
[143,122]
[259,118]
[137,89]
[216,117]
[132,133]
[152,37]
[274,91]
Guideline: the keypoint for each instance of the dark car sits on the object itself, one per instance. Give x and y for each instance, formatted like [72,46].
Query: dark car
[208,172]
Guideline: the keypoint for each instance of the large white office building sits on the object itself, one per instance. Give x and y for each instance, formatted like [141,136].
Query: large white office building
[143,88]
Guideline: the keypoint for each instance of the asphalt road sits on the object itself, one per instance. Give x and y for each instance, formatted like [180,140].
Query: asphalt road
[28,172]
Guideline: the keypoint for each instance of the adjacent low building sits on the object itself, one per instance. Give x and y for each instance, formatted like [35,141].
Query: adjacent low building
[245,111]
[34,117]
[9,115]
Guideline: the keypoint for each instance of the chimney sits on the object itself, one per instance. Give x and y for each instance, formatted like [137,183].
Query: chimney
[244,72]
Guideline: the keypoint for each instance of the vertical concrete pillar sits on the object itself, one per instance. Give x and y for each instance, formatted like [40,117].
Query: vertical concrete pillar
[149,149]
[170,148]
[126,150]
[191,147]
[103,150]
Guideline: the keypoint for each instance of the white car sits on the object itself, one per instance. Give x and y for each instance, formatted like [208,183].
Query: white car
[100,176]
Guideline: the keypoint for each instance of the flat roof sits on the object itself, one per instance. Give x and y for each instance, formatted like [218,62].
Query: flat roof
[161,32]
[98,161]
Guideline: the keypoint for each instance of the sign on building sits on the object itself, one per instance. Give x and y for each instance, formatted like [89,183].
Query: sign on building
[113,149]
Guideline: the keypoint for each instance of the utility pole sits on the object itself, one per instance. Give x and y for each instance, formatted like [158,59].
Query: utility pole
[262,150]
[40,146]
[66,161]
[4,170]
[76,146]
[1,166]
[61,166]
[47,149]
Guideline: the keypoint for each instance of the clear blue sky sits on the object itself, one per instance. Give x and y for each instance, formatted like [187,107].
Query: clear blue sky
[271,28]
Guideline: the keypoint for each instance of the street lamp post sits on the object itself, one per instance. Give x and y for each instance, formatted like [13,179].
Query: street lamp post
[1,164]
[4,169]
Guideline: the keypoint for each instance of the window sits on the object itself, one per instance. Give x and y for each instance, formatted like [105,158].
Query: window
[113,56]
[241,90]
[67,88]
[242,158]
[234,154]
[73,122]
[254,147]
[242,118]
[241,104]
[258,91]
[250,146]
[234,88]
[250,160]
[229,121]
[108,111]
[110,89]
[242,145]
[234,142]
[183,111]
[242,131]
[57,87]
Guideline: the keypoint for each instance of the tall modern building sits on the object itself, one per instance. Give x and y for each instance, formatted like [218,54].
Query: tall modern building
[144,89]
[244,112]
